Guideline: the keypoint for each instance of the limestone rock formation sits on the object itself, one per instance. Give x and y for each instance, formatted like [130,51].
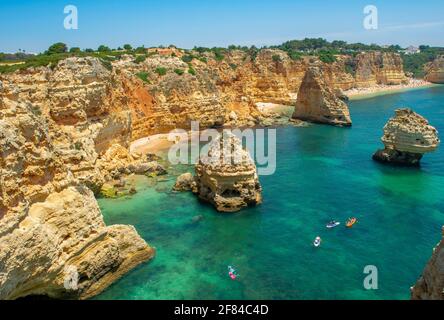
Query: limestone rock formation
[407,137]
[69,125]
[373,68]
[118,161]
[185,182]
[435,70]
[431,284]
[54,126]
[61,248]
[227,177]
[318,102]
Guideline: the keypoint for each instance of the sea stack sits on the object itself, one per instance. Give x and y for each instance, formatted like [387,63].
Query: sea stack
[226,176]
[318,102]
[435,70]
[431,284]
[407,137]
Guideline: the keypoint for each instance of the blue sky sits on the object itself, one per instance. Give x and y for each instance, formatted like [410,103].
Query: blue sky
[35,24]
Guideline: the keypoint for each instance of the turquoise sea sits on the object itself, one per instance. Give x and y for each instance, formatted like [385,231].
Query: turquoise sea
[323,173]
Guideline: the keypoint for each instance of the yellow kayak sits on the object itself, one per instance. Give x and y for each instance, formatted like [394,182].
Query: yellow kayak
[351,222]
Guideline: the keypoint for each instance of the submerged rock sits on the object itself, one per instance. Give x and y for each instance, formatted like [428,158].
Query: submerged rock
[318,102]
[197,219]
[407,137]
[226,177]
[431,284]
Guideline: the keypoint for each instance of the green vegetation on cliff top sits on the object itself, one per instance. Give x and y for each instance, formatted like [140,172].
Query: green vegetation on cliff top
[326,51]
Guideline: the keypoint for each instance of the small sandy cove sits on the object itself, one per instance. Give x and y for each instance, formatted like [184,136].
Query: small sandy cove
[159,144]
[152,144]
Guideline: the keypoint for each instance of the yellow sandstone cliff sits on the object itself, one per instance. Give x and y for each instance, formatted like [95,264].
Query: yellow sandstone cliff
[374,68]
[54,125]
[435,70]
[65,132]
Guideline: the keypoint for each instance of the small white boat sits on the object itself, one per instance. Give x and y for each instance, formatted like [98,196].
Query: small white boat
[317,242]
[333,224]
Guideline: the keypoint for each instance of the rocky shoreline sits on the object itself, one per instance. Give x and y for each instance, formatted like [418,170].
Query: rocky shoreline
[66,137]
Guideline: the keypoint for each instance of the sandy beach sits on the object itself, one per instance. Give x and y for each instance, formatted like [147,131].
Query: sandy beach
[363,93]
[155,144]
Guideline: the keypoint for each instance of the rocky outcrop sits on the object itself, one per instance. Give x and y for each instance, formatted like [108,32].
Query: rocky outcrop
[435,70]
[375,68]
[407,137]
[117,162]
[54,127]
[61,248]
[185,182]
[226,177]
[318,102]
[431,284]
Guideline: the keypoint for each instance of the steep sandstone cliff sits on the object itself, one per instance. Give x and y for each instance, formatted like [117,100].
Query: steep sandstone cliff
[435,70]
[431,284]
[317,102]
[373,68]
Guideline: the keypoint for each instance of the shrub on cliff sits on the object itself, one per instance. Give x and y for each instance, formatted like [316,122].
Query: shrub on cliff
[179,71]
[192,71]
[219,53]
[350,66]
[295,55]
[276,58]
[327,57]
[161,71]
[143,76]
[140,59]
[127,47]
[187,58]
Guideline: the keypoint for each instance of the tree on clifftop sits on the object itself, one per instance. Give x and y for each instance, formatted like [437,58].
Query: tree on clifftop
[103,48]
[58,47]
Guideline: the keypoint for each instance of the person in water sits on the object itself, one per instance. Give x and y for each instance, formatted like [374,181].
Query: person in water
[232,273]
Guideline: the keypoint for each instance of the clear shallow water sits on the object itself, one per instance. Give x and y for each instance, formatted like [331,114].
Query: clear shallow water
[323,173]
